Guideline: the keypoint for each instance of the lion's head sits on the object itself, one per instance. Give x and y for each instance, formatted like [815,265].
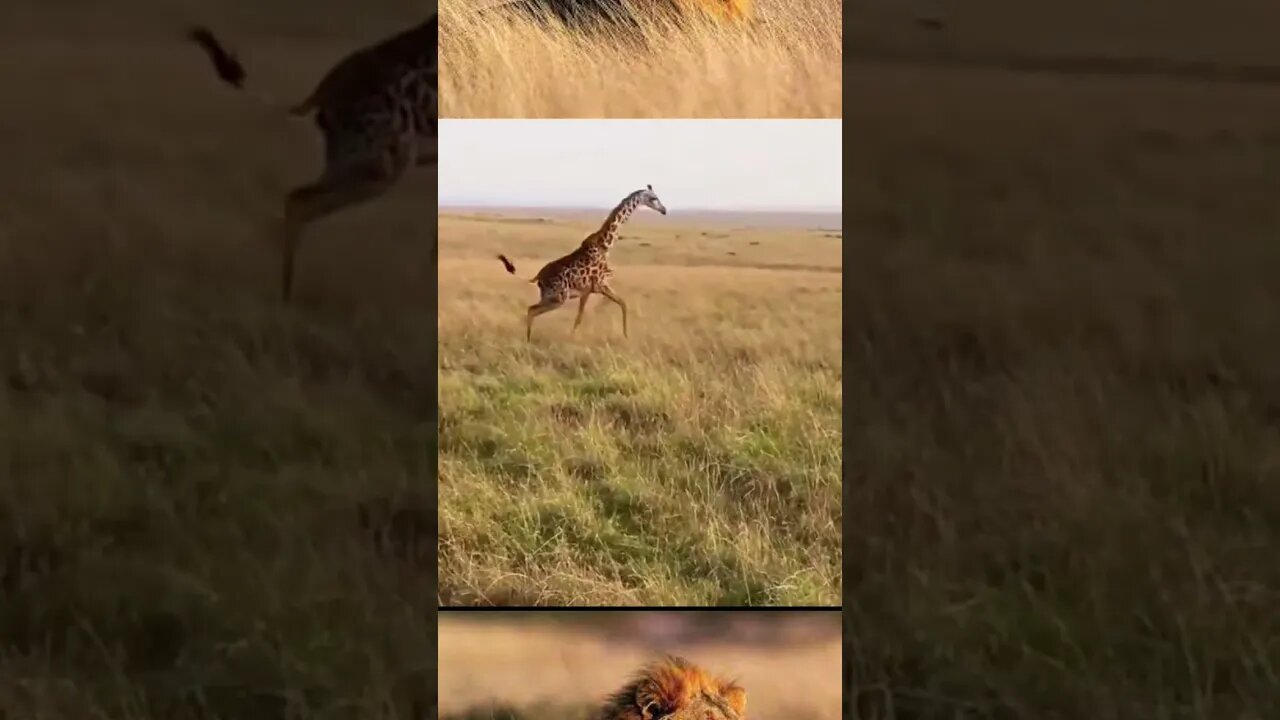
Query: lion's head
[675,689]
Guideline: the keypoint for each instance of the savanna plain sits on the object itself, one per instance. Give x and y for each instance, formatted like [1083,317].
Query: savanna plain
[1063,426]
[211,505]
[784,62]
[696,462]
[509,666]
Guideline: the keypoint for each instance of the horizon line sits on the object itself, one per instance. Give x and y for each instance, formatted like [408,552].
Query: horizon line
[546,206]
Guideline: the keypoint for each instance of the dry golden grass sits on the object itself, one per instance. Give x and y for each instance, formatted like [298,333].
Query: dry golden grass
[785,65]
[697,462]
[1063,414]
[532,669]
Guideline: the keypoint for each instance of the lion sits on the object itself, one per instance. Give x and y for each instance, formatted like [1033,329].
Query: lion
[675,689]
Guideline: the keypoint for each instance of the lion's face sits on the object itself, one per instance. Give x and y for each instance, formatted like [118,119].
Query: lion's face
[675,689]
[711,705]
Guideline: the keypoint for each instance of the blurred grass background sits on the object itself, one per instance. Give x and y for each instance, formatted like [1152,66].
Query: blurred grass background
[210,505]
[1063,410]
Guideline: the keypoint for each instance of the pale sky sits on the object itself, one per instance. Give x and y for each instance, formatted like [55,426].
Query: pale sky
[767,165]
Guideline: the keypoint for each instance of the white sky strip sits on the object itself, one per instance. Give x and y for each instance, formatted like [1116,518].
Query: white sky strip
[762,165]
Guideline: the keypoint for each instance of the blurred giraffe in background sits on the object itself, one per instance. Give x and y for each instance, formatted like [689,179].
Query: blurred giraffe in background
[377,111]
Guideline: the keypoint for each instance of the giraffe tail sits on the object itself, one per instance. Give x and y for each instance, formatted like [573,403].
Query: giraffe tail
[231,71]
[226,64]
[511,267]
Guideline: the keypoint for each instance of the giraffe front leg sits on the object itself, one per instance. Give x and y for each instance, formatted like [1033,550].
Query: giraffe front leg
[582,305]
[605,291]
[537,309]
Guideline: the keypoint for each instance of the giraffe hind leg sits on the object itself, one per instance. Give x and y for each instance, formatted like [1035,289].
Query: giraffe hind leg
[333,192]
[607,292]
[309,203]
[365,155]
[540,308]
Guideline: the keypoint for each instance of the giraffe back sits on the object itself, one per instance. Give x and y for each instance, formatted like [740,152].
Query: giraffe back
[403,64]
[575,271]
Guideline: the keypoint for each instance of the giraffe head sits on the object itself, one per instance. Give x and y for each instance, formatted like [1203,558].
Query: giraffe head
[649,198]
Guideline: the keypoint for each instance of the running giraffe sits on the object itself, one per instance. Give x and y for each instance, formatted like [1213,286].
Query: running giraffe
[586,269]
[377,111]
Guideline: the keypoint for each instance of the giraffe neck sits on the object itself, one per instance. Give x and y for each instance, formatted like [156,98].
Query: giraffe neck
[608,232]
